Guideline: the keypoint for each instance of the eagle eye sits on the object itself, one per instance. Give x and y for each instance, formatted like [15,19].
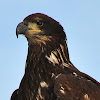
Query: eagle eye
[40,23]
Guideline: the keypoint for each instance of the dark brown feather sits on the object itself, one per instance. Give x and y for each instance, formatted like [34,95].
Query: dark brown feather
[49,73]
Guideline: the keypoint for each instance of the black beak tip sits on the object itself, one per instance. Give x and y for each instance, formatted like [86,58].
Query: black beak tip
[17,35]
[17,32]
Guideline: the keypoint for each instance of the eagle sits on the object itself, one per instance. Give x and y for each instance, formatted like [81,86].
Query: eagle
[49,73]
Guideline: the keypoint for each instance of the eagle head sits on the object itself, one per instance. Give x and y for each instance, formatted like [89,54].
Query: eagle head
[40,28]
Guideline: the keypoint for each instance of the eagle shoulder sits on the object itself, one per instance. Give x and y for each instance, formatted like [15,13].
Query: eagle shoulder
[74,87]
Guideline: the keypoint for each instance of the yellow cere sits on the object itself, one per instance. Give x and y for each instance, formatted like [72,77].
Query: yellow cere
[34,28]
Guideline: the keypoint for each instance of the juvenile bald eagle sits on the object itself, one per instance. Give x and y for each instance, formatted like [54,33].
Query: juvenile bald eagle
[49,73]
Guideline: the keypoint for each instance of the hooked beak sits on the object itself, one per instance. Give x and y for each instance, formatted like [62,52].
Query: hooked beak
[23,29]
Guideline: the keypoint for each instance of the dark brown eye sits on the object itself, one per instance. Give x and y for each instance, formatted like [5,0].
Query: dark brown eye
[40,23]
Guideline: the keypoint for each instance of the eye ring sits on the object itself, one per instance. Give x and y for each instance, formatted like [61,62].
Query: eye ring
[40,23]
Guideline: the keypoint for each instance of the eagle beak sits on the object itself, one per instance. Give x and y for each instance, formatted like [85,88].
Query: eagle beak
[31,29]
[21,29]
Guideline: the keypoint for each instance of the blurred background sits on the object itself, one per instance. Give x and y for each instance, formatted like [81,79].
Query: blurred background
[81,22]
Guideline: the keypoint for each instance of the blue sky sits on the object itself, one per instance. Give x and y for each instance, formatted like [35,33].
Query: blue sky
[81,21]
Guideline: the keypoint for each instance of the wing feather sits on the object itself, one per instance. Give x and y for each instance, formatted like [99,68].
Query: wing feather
[70,87]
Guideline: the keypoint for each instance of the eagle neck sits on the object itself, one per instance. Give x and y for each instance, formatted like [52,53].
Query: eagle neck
[38,53]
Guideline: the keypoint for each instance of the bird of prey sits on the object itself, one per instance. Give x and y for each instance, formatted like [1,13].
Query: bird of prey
[49,73]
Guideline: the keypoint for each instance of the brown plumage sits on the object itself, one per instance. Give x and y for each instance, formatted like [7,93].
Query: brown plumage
[49,73]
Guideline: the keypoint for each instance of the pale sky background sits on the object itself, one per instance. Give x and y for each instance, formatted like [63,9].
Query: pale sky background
[81,21]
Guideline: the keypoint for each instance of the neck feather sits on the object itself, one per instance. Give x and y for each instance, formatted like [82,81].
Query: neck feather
[57,54]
